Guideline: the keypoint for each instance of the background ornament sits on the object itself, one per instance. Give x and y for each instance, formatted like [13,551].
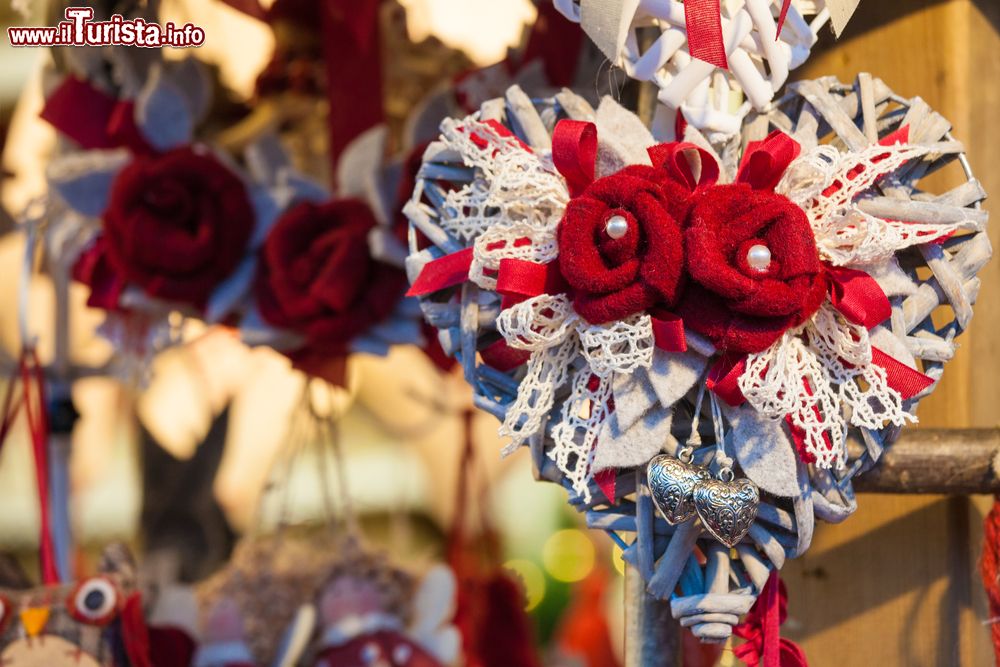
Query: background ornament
[746,48]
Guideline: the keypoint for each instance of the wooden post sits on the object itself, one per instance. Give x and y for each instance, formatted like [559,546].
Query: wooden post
[652,636]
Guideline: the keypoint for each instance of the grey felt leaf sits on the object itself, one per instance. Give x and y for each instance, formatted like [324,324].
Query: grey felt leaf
[617,448]
[254,331]
[634,396]
[163,113]
[83,180]
[194,82]
[359,169]
[673,374]
[622,139]
[266,159]
[266,211]
[765,451]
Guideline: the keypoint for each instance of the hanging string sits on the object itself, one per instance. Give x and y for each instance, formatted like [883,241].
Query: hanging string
[31,376]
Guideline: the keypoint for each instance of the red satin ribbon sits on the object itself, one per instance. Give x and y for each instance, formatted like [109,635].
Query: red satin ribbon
[555,41]
[686,163]
[519,280]
[352,50]
[574,153]
[762,630]
[858,296]
[442,273]
[668,332]
[503,357]
[764,162]
[907,381]
[92,118]
[723,379]
[607,482]
[703,21]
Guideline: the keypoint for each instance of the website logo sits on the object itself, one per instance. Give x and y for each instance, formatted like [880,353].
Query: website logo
[80,29]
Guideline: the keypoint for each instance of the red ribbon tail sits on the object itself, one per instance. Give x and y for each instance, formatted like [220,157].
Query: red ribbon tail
[703,20]
[907,381]
[442,273]
[352,52]
[574,153]
[782,16]
[607,481]
[32,376]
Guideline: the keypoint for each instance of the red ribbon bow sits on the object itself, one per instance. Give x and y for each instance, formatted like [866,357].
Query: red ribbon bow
[762,630]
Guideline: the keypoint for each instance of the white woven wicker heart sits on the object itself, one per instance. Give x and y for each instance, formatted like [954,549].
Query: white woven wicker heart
[712,99]
[825,189]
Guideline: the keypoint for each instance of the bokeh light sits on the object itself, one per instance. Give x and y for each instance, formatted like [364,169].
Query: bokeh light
[533,579]
[568,555]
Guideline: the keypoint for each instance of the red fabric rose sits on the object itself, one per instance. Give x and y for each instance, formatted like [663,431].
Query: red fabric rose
[739,308]
[615,278]
[318,279]
[177,224]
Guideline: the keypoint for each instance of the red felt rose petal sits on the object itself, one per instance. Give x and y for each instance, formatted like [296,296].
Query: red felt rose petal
[177,224]
[737,307]
[613,279]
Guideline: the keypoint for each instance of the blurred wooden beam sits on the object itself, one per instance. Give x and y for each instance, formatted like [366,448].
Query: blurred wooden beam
[946,461]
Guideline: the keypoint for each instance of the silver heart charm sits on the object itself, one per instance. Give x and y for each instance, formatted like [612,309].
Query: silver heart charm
[727,508]
[671,482]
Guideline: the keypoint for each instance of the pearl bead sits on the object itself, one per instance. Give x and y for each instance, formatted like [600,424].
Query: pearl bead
[617,226]
[759,257]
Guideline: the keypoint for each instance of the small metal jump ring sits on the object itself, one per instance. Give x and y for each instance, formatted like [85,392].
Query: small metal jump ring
[726,475]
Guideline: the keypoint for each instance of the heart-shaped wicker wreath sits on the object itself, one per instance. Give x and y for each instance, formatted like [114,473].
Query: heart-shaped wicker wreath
[596,400]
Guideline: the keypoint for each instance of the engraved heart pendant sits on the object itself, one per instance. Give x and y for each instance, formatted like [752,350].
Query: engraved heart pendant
[727,509]
[671,483]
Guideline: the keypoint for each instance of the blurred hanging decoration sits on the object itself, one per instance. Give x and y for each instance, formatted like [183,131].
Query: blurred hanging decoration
[95,622]
[318,595]
[156,223]
[712,62]
[496,629]
[686,334]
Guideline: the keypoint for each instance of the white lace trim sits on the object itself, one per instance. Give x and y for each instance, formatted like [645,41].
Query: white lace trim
[812,374]
[550,329]
[517,241]
[512,184]
[844,233]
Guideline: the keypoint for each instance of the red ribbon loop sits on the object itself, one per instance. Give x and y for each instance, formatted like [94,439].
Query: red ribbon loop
[762,630]
[690,165]
[503,357]
[858,297]
[723,379]
[519,279]
[703,21]
[764,162]
[92,118]
[442,273]
[574,153]
[668,332]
